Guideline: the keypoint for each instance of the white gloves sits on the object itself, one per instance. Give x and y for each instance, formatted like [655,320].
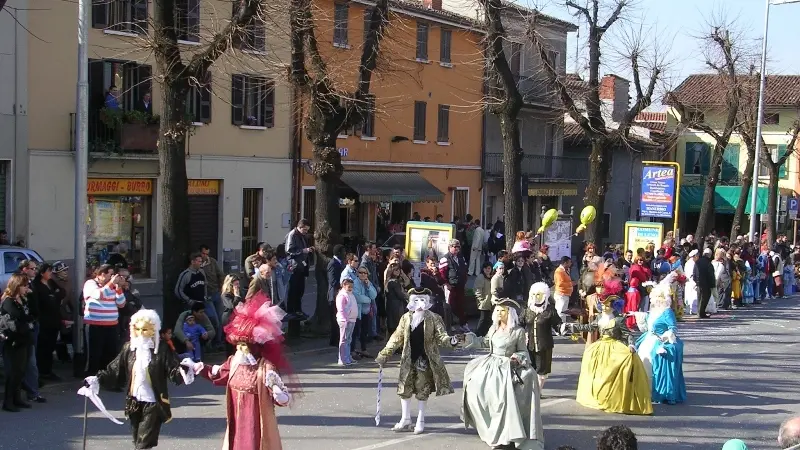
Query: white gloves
[661,351]
[275,384]
[453,341]
[669,336]
[187,368]
[94,384]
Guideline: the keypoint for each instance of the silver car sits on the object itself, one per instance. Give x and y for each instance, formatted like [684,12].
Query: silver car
[12,256]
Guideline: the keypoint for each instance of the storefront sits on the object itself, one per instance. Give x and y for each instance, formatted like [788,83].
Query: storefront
[204,214]
[119,216]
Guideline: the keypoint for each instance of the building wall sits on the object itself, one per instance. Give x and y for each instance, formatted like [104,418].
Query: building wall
[14,115]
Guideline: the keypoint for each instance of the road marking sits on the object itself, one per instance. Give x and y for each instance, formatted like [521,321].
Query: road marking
[441,430]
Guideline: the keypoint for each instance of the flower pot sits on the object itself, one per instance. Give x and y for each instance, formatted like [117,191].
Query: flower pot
[139,137]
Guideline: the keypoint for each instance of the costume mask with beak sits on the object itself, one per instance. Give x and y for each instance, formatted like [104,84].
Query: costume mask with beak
[145,326]
[419,301]
[539,297]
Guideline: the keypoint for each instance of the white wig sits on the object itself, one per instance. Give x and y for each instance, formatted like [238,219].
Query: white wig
[539,291]
[513,317]
[661,297]
[148,315]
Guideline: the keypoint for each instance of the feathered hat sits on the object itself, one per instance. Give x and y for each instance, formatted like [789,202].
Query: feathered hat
[612,288]
[148,315]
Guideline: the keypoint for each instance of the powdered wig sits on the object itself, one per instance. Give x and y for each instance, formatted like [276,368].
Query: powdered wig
[148,315]
[539,292]
[660,297]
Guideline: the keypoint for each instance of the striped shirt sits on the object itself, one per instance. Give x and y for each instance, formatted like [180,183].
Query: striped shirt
[102,304]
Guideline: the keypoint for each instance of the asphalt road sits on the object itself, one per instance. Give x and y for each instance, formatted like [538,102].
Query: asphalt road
[740,368]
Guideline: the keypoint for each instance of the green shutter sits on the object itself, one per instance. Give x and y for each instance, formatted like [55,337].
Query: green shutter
[783,173]
[705,158]
[730,164]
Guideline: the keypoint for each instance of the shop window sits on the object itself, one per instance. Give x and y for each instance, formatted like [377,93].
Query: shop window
[119,224]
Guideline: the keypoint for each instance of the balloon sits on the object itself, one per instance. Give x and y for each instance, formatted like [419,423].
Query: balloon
[549,217]
[588,215]
[540,230]
[580,228]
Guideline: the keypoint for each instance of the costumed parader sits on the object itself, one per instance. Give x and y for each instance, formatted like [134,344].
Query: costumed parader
[142,368]
[252,376]
[660,349]
[501,392]
[420,333]
[613,378]
[540,320]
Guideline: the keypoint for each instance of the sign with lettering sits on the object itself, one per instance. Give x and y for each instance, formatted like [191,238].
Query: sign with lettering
[639,234]
[343,151]
[203,187]
[113,186]
[658,192]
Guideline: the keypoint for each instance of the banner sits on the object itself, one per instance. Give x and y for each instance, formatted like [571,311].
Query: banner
[658,192]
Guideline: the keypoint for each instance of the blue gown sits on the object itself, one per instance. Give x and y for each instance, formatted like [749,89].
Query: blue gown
[666,369]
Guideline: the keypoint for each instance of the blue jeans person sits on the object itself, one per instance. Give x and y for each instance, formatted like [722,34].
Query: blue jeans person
[31,381]
[211,312]
[373,321]
[216,299]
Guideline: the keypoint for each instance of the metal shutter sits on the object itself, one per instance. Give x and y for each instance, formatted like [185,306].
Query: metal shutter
[204,216]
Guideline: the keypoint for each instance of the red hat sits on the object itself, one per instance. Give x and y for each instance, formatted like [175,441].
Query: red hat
[612,286]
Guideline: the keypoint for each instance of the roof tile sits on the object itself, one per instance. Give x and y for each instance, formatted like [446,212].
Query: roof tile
[710,90]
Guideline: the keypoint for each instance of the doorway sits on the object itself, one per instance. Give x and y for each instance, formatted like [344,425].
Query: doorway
[251,218]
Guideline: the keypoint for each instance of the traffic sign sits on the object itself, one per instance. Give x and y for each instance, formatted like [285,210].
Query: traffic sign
[792,207]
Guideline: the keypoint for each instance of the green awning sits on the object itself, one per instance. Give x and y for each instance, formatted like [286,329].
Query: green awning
[398,187]
[725,199]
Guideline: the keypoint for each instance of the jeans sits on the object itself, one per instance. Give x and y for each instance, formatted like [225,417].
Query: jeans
[31,380]
[373,321]
[361,330]
[216,301]
[345,340]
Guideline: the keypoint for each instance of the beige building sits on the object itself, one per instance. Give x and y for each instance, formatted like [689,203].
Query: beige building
[237,154]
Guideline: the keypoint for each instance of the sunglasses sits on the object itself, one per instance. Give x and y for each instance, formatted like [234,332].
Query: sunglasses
[363,273]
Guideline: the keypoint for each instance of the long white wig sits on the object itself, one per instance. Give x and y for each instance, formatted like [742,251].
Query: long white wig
[148,315]
[539,296]
[513,317]
[661,297]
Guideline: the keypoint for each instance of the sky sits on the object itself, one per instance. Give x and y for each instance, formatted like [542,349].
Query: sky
[678,23]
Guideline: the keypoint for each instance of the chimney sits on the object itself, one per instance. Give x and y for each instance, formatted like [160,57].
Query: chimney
[614,92]
[432,4]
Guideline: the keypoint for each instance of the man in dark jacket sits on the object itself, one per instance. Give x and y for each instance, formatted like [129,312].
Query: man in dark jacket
[335,268]
[299,253]
[453,271]
[706,281]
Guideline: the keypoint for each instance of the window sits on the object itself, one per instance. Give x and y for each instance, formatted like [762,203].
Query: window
[696,117]
[516,60]
[198,101]
[188,20]
[11,261]
[128,16]
[443,132]
[253,101]
[254,38]
[771,119]
[460,206]
[776,152]
[445,45]
[730,164]
[340,15]
[367,21]
[368,127]
[419,120]
[131,79]
[422,41]
[698,158]
[553,59]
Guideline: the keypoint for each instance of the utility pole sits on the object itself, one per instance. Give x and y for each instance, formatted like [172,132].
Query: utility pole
[81,174]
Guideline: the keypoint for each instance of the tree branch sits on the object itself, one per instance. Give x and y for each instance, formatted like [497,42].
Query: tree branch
[379,18]
[581,10]
[643,99]
[496,36]
[684,117]
[621,4]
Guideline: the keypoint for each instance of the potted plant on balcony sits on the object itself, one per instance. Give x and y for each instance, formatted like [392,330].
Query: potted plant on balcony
[136,131]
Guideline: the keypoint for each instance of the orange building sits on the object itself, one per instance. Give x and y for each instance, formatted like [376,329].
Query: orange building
[421,150]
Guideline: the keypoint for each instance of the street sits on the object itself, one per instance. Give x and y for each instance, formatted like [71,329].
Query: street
[741,385]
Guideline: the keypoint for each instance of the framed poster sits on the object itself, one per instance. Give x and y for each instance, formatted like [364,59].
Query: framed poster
[558,237]
[427,238]
[639,234]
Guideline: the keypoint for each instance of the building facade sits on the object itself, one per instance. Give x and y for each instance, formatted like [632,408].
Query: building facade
[238,161]
[704,95]
[420,152]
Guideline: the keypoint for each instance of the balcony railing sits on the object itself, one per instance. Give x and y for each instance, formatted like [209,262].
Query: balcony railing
[118,136]
[541,167]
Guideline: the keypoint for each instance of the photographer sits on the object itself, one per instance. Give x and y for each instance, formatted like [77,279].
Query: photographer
[103,297]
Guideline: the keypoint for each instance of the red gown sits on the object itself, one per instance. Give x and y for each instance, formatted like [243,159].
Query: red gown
[632,300]
[252,424]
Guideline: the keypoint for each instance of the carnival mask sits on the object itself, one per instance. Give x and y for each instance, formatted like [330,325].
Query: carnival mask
[143,328]
[500,314]
[418,302]
[242,348]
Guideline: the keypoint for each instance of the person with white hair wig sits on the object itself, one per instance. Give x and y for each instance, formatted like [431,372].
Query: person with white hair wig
[143,369]
[501,394]
[660,349]
[540,320]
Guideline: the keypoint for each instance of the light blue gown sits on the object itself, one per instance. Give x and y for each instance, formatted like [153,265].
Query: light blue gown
[665,367]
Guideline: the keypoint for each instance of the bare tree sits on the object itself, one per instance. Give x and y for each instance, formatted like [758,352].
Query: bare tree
[748,108]
[603,139]
[507,103]
[330,109]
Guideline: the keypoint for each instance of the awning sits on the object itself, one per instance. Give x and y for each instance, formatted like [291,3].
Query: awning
[725,199]
[398,187]
[551,189]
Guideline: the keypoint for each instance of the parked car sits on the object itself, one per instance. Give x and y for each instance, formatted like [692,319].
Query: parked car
[394,239]
[12,256]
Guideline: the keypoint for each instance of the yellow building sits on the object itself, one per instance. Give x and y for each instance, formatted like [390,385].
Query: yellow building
[237,155]
[704,95]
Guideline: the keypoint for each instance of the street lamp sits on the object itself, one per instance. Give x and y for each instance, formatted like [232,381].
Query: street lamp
[754,194]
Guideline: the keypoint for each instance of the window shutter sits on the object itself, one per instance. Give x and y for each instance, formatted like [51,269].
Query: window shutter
[259,34]
[730,163]
[705,157]
[237,100]
[368,127]
[193,21]
[422,40]
[204,100]
[367,21]
[443,134]
[419,120]
[139,16]
[268,102]
[783,173]
[99,13]
[444,50]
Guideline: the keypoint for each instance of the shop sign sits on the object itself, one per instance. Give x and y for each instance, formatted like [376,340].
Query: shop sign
[112,186]
[552,190]
[203,187]
[639,234]
[658,192]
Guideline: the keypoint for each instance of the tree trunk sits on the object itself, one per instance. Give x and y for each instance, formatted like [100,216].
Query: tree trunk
[599,169]
[174,197]
[707,208]
[772,203]
[327,166]
[512,177]
[738,227]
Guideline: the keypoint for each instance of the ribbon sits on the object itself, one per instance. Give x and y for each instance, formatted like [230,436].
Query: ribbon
[92,395]
[380,386]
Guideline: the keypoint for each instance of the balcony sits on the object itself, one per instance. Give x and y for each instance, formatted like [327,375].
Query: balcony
[120,132]
[541,167]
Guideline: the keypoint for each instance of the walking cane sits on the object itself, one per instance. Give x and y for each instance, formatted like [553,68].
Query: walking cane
[85,414]
[380,386]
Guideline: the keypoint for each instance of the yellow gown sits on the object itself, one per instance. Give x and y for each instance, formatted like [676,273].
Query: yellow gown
[613,379]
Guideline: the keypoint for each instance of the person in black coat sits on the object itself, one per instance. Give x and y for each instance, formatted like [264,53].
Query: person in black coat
[519,280]
[706,281]
[16,327]
[49,296]
[335,268]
